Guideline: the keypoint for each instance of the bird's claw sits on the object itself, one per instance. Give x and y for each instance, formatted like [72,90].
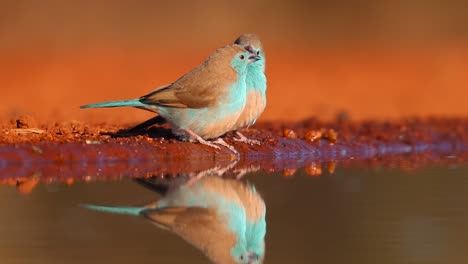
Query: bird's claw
[221,142]
[218,171]
[244,139]
[207,143]
[213,143]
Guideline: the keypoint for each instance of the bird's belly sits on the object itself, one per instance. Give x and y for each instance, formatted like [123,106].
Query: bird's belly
[254,107]
[206,122]
[217,127]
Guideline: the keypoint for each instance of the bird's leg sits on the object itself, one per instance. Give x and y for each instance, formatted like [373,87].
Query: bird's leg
[244,139]
[218,171]
[201,140]
[241,172]
[221,142]
[218,141]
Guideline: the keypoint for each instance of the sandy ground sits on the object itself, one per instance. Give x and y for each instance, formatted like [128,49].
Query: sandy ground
[67,152]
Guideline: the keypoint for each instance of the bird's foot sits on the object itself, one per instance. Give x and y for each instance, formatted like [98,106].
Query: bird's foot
[244,139]
[213,143]
[216,171]
[239,173]
[221,142]
[208,143]
[200,140]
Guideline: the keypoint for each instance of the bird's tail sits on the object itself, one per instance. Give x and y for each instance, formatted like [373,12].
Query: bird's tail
[115,209]
[119,103]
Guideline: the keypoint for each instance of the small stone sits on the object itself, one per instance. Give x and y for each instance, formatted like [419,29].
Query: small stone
[25,122]
[332,167]
[313,169]
[288,133]
[289,172]
[313,135]
[331,135]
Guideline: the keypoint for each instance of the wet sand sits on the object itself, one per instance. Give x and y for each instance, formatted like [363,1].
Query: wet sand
[31,152]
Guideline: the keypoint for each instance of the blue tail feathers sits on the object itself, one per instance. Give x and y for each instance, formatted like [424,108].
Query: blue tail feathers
[119,103]
[115,209]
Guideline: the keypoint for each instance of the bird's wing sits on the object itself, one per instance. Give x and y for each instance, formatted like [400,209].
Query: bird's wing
[199,88]
[201,227]
[163,96]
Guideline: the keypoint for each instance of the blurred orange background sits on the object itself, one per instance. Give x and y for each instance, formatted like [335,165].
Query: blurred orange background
[372,59]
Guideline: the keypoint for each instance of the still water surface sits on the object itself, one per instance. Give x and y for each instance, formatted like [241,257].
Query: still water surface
[350,216]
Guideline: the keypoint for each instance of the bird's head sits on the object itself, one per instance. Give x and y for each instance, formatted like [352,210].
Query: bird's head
[239,57]
[248,257]
[256,251]
[254,258]
[251,43]
[242,258]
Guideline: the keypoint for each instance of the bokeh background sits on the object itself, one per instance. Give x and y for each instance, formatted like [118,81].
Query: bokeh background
[370,58]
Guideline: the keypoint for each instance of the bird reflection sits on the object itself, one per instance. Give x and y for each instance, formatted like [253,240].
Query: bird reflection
[224,218]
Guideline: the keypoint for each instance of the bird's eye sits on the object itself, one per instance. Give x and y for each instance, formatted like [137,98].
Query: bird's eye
[242,257]
[258,52]
[241,57]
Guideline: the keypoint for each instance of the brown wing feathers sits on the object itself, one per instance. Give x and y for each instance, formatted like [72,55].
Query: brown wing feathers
[200,87]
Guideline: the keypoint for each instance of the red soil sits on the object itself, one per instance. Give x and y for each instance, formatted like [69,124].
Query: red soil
[79,149]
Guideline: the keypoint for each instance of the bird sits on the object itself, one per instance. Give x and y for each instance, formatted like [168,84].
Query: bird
[256,217]
[223,218]
[203,104]
[256,84]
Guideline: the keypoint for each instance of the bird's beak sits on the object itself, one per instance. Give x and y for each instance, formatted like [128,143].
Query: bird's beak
[254,58]
[253,258]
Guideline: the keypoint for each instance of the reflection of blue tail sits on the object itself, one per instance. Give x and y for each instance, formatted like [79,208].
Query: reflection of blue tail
[116,209]
[120,103]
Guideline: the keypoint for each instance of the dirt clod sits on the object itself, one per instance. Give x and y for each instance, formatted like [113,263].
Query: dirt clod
[288,133]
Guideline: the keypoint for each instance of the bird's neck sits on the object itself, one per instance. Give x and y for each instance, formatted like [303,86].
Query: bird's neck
[256,78]
[237,94]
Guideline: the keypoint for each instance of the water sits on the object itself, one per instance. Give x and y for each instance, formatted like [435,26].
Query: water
[355,215]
